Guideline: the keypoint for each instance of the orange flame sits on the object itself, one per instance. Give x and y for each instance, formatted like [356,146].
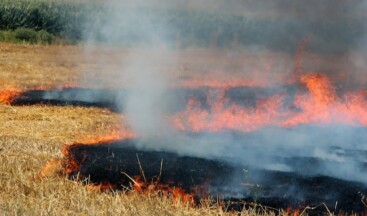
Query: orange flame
[122,134]
[315,106]
[177,193]
[320,105]
[73,166]
[232,117]
[9,94]
[293,212]
[69,163]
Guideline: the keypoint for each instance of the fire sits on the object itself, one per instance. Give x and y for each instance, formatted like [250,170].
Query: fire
[293,212]
[321,89]
[69,164]
[357,104]
[317,101]
[228,117]
[117,134]
[178,194]
[319,104]
[322,105]
[72,166]
[9,94]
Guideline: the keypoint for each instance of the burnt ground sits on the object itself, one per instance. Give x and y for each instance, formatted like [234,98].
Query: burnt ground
[102,98]
[106,162]
[113,98]
[236,184]
[176,98]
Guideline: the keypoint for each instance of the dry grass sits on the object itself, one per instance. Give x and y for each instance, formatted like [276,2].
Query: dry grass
[29,66]
[32,66]
[31,136]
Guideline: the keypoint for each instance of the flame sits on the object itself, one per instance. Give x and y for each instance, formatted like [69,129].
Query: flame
[323,106]
[317,106]
[357,104]
[116,134]
[178,194]
[9,94]
[320,104]
[72,165]
[293,212]
[228,117]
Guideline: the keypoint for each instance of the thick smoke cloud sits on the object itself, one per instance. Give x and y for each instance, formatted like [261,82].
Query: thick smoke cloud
[151,39]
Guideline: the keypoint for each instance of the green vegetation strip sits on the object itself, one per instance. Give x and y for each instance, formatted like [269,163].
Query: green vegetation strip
[75,21]
[27,35]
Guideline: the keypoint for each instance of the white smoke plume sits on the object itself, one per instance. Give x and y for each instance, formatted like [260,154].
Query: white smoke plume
[151,41]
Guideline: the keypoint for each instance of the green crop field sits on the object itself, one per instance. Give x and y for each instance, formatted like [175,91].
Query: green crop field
[77,21]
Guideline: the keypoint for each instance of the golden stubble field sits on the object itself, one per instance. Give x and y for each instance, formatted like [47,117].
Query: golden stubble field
[31,136]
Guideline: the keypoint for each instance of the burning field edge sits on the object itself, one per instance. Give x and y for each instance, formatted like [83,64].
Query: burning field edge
[100,162]
[322,93]
[117,165]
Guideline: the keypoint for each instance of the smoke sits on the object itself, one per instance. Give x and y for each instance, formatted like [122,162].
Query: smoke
[145,35]
[147,97]
[153,40]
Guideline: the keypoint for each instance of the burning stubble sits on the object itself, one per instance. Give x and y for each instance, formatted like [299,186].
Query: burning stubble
[301,123]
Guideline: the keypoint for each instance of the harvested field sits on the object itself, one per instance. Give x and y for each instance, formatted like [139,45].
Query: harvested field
[33,181]
[31,136]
